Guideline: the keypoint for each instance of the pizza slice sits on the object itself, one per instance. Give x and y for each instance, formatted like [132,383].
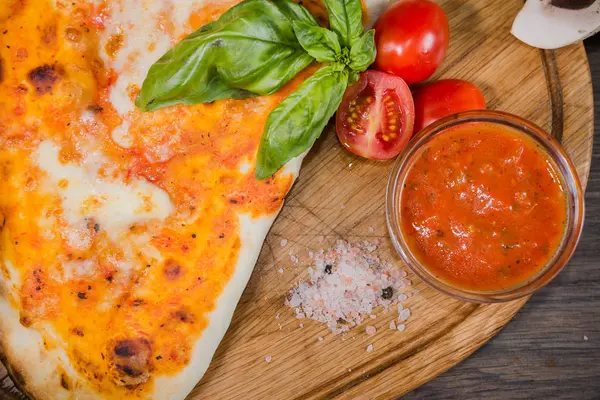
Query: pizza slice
[126,238]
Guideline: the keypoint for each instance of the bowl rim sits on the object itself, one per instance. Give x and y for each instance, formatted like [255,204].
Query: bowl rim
[564,166]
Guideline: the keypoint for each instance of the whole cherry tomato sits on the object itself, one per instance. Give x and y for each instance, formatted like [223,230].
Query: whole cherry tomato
[438,99]
[411,38]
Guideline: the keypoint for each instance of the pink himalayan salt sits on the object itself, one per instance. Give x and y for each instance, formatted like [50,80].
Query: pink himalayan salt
[346,284]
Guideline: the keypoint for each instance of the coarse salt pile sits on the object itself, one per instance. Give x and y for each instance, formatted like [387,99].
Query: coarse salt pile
[346,284]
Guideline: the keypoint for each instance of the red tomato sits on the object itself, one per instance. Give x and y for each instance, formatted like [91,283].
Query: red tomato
[375,118]
[411,38]
[438,99]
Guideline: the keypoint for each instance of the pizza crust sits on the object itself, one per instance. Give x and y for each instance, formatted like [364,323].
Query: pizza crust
[38,372]
[252,236]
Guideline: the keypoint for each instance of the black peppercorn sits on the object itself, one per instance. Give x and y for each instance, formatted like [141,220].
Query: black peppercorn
[328,269]
[387,293]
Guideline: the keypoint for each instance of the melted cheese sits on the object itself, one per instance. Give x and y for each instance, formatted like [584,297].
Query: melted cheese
[121,135]
[77,269]
[14,275]
[115,205]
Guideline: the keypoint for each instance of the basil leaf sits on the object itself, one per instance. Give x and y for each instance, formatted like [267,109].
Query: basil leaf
[320,43]
[295,124]
[345,19]
[295,12]
[363,52]
[250,50]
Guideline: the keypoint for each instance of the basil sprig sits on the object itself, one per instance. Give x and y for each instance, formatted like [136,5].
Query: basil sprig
[255,48]
[295,124]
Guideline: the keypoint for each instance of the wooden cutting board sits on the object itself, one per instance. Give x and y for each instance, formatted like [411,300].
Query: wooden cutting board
[340,196]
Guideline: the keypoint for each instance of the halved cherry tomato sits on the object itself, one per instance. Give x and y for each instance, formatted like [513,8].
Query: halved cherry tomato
[438,99]
[411,38]
[375,118]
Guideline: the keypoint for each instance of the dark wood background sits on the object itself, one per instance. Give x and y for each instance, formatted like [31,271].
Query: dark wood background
[542,353]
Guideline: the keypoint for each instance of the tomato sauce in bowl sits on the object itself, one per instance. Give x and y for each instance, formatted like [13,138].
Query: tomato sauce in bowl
[485,206]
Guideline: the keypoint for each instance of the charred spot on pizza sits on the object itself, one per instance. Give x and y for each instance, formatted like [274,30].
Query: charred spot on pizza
[25,320]
[132,361]
[95,108]
[129,371]
[77,331]
[64,381]
[125,348]
[43,78]
[185,316]
[91,223]
[138,302]
[173,270]
[21,89]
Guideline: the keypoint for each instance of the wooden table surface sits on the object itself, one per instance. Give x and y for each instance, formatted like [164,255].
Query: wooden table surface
[551,349]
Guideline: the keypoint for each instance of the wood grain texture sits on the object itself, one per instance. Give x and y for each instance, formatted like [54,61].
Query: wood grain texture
[549,88]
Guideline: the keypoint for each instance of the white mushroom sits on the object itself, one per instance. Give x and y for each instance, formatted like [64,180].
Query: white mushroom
[551,24]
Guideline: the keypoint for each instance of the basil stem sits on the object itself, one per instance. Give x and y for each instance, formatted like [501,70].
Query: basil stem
[250,50]
[295,124]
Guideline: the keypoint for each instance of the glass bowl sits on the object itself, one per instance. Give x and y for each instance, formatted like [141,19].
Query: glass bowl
[564,168]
